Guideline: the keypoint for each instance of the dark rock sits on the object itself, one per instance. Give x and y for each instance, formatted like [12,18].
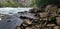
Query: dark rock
[9,21]
[34,10]
[23,17]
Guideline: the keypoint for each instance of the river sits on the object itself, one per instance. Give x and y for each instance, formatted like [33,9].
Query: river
[9,10]
[12,21]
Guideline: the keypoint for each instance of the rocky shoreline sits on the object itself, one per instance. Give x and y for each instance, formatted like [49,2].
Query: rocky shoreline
[43,20]
[37,19]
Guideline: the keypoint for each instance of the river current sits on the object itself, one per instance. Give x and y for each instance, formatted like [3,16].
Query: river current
[12,21]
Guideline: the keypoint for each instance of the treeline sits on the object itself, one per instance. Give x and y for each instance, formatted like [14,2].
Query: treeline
[41,3]
[10,4]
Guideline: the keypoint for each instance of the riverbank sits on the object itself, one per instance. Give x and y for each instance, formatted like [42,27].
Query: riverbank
[33,19]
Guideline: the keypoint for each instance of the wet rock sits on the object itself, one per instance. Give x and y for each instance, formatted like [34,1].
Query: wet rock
[9,21]
[34,10]
[29,15]
[23,17]
[37,15]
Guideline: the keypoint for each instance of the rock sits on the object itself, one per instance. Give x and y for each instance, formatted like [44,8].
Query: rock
[24,24]
[58,20]
[44,19]
[27,28]
[58,11]
[54,14]
[29,15]
[17,27]
[34,27]
[37,26]
[51,8]
[34,10]
[56,27]
[50,25]
[28,22]
[44,14]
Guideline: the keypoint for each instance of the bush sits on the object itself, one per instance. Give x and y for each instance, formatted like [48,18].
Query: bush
[11,4]
[41,3]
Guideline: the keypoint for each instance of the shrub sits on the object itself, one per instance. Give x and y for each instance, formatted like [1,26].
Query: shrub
[41,3]
[11,4]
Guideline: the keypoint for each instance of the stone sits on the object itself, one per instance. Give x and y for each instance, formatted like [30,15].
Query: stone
[34,27]
[54,14]
[44,19]
[50,25]
[56,27]
[17,27]
[51,8]
[44,14]
[58,12]
[58,20]
[24,24]
[27,28]
[34,10]
[37,25]
[28,15]
[28,22]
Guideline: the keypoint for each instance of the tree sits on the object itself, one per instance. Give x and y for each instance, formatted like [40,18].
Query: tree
[10,4]
[42,3]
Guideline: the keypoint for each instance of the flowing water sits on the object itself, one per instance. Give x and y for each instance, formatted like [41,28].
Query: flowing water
[12,21]
[9,10]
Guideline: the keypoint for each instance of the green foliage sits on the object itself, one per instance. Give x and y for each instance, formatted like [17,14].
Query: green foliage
[10,4]
[33,3]
[41,3]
